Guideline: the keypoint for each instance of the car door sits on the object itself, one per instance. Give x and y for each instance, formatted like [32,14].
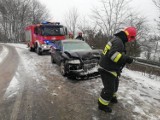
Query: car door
[53,50]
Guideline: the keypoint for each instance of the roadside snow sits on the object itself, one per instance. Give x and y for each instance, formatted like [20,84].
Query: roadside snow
[145,86]
[19,46]
[3,54]
[142,92]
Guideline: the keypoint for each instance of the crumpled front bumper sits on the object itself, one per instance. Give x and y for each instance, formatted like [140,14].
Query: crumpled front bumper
[82,72]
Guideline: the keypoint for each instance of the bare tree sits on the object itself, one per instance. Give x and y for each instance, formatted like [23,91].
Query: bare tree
[39,12]
[71,20]
[16,14]
[85,26]
[111,16]
[157,4]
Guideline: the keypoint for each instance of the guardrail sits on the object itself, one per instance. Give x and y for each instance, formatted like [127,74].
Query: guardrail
[147,62]
[145,66]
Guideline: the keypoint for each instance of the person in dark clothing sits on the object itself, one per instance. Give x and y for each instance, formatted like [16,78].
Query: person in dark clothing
[112,61]
[80,36]
[71,35]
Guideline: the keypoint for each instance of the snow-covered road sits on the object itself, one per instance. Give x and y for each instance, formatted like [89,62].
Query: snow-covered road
[3,53]
[37,91]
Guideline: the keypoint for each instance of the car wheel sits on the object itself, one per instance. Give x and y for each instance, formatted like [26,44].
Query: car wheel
[62,69]
[52,60]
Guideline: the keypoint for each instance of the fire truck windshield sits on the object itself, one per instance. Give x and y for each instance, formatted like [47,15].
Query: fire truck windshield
[53,31]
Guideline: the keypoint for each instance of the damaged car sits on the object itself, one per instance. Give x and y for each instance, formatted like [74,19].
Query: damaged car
[75,58]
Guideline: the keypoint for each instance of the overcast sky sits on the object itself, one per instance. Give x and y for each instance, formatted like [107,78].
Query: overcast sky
[58,8]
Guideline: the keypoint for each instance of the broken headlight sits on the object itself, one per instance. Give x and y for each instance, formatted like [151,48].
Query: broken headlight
[74,62]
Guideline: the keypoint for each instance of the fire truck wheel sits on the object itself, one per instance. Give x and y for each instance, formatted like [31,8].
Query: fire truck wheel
[38,51]
[31,49]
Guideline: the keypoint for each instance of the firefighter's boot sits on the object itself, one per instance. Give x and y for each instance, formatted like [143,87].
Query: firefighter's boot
[114,100]
[104,108]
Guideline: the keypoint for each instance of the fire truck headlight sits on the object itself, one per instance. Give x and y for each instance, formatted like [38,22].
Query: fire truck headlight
[44,46]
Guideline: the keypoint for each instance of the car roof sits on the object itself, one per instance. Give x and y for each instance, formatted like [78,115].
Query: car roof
[73,41]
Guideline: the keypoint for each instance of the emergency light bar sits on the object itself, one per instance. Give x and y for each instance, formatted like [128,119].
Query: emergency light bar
[55,23]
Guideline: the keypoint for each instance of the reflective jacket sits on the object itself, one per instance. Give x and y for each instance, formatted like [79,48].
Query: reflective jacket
[113,56]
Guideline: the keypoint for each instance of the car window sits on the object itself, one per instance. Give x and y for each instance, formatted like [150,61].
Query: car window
[57,45]
[76,46]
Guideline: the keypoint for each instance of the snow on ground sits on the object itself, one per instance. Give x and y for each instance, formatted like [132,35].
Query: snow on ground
[13,87]
[27,64]
[139,91]
[142,92]
[3,53]
[151,86]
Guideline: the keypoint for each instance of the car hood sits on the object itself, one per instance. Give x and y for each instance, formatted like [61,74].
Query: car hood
[84,54]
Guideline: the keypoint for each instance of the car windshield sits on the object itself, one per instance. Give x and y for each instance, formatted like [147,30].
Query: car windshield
[76,46]
[53,31]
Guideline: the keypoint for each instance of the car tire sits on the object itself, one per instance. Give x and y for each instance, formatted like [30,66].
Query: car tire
[63,69]
[52,60]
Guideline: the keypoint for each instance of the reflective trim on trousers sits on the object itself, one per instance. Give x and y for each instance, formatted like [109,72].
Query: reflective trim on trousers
[103,101]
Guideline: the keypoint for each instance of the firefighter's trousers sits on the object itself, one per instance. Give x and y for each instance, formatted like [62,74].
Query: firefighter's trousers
[110,83]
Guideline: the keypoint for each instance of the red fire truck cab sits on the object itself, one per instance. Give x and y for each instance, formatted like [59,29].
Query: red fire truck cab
[39,37]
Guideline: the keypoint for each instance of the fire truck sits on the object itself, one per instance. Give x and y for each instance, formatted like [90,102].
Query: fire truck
[40,37]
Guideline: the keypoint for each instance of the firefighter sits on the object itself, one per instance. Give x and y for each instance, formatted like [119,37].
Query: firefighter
[80,36]
[111,64]
[71,35]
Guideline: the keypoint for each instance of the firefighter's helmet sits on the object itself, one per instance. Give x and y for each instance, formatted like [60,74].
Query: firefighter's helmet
[131,33]
[70,33]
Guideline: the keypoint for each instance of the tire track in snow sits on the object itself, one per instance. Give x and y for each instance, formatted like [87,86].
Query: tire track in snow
[8,67]
[3,54]
[1,48]
[17,104]
[22,108]
[19,92]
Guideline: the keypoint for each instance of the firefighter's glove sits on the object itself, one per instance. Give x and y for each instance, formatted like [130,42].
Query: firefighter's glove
[129,60]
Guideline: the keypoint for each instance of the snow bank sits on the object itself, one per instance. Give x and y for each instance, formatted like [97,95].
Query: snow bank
[18,45]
